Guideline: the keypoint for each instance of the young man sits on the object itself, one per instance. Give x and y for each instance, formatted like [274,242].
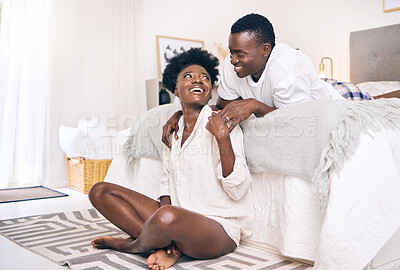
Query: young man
[260,76]
[205,204]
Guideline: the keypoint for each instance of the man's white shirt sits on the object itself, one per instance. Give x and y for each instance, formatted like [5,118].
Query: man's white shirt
[288,78]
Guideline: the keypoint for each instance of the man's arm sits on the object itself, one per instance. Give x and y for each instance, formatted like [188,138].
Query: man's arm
[221,103]
[258,108]
[170,127]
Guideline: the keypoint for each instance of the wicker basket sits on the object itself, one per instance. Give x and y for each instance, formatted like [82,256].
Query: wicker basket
[84,173]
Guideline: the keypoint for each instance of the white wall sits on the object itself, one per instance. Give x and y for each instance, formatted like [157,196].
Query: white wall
[93,71]
[317,27]
[91,38]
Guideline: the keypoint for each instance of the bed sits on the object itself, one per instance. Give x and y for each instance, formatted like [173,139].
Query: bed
[375,68]
[360,218]
[375,60]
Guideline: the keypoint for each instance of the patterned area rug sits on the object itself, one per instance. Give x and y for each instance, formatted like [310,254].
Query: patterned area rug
[28,193]
[65,239]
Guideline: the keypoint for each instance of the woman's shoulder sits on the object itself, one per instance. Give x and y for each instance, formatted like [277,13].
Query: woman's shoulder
[237,131]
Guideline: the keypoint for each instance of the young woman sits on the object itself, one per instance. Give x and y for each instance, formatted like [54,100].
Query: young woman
[205,203]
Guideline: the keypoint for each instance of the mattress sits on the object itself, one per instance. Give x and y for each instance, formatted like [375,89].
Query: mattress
[362,214]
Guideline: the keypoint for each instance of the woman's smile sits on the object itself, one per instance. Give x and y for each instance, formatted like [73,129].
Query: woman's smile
[194,85]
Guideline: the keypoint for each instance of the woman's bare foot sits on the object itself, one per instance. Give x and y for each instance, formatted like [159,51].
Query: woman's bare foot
[160,260]
[105,242]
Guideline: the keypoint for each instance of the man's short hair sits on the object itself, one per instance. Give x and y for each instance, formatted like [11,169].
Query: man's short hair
[257,25]
[193,56]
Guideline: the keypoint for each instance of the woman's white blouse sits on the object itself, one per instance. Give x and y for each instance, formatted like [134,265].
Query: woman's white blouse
[193,176]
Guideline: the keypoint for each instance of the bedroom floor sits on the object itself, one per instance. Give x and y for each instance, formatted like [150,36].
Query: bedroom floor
[14,257]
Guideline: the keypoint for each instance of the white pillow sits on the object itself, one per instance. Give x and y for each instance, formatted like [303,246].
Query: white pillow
[75,143]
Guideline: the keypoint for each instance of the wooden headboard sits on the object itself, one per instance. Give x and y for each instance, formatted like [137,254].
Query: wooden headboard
[375,54]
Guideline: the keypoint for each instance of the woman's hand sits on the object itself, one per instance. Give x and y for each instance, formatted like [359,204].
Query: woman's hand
[217,126]
[170,127]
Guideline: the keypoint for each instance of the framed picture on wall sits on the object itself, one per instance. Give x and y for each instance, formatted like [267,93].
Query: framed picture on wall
[167,47]
[391,5]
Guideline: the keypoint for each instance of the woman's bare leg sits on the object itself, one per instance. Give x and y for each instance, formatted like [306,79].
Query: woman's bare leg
[193,234]
[151,227]
[125,208]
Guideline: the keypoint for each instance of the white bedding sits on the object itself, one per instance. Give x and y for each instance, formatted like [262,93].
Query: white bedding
[362,214]
[379,88]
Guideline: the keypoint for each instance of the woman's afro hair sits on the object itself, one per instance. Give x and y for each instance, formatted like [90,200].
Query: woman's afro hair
[193,56]
[257,25]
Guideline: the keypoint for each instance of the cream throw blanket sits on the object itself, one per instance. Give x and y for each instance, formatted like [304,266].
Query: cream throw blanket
[308,140]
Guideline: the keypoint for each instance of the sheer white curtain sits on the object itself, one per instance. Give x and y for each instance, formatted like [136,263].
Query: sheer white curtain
[23,91]
[80,59]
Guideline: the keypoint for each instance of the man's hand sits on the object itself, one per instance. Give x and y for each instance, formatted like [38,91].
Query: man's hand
[170,127]
[238,111]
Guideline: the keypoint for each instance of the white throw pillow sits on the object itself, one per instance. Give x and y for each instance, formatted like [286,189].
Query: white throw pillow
[75,143]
